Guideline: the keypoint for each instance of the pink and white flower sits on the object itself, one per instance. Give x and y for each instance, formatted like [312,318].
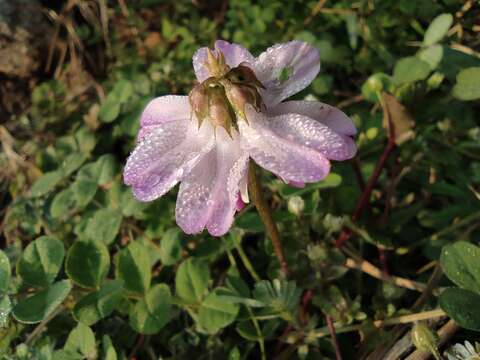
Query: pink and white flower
[240,97]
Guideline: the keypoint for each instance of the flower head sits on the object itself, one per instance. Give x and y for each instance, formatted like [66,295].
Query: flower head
[235,113]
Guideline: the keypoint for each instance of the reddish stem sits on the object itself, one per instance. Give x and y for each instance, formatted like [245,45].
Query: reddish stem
[364,199]
[372,181]
[333,335]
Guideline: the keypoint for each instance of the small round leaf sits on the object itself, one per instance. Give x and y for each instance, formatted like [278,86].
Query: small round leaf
[460,263]
[191,280]
[462,306]
[87,263]
[99,304]
[41,261]
[134,268]
[217,312]
[410,69]
[37,307]
[437,29]
[153,312]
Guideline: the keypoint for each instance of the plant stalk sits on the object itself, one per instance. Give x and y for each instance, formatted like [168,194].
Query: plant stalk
[256,193]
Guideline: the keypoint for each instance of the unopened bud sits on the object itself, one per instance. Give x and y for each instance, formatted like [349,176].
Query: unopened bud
[219,111]
[216,64]
[424,339]
[241,95]
[333,223]
[199,102]
[296,205]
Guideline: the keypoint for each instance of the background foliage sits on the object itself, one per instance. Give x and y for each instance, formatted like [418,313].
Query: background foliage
[88,272]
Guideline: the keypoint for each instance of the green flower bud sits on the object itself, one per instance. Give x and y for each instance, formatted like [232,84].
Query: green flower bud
[424,339]
[216,64]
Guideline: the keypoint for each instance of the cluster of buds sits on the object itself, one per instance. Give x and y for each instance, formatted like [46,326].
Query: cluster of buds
[223,96]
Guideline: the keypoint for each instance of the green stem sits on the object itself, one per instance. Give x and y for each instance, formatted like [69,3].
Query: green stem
[248,265]
[256,193]
[261,342]
[246,262]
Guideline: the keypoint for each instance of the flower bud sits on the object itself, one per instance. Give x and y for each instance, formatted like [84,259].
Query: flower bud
[216,64]
[241,95]
[424,339]
[296,205]
[199,102]
[219,111]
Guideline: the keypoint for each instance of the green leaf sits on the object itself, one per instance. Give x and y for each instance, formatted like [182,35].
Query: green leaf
[110,109]
[72,162]
[46,183]
[437,29]
[467,87]
[410,69]
[281,295]
[67,355]
[168,30]
[462,306]
[5,272]
[216,312]
[171,247]
[109,352]
[84,191]
[331,181]
[104,225]
[234,354]
[153,312]
[123,90]
[432,55]
[106,169]
[81,340]
[322,84]
[87,263]
[460,263]
[375,85]
[134,268]
[35,308]
[5,309]
[62,204]
[41,261]
[99,304]
[247,330]
[191,280]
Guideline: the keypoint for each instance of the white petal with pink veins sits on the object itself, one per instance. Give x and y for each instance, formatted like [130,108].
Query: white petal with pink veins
[302,130]
[334,118]
[288,159]
[165,155]
[208,195]
[286,69]
[234,55]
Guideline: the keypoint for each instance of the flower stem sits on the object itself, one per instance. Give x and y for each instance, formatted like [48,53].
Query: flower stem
[255,189]
[246,262]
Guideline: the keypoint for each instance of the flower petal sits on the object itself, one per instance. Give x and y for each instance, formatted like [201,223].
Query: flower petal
[285,69]
[331,116]
[233,167]
[208,195]
[303,130]
[291,161]
[234,55]
[164,155]
[165,108]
